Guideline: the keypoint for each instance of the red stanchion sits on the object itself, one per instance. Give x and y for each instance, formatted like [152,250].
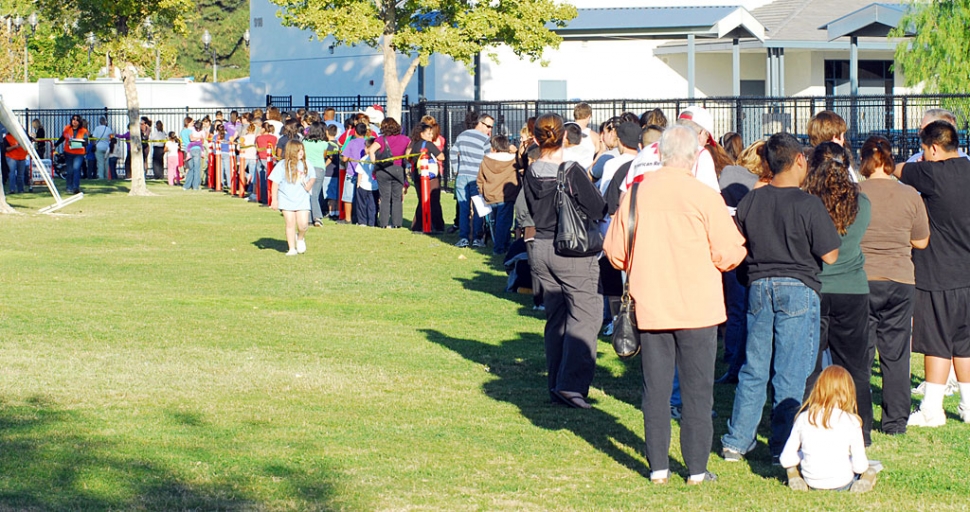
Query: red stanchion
[424,172]
[212,172]
[269,170]
[340,193]
[218,159]
[240,165]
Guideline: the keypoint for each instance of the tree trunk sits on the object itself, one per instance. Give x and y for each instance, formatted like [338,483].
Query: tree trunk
[393,85]
[138,186]
[4,207]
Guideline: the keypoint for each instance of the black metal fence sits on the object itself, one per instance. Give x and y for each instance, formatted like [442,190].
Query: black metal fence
[348,103]
[895,117]
[280,102]
[54,121]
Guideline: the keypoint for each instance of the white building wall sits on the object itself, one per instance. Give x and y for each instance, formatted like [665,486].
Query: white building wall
[293,62]
[101,93]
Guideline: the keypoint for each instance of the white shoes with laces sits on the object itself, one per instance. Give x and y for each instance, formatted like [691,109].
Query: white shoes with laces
[923,418]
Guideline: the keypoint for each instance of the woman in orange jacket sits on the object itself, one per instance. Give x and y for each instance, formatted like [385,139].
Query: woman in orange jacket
[75,139]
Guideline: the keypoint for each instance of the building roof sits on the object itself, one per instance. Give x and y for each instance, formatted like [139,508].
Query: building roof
[662,23]
[874,20]
[801,24]
[799,20]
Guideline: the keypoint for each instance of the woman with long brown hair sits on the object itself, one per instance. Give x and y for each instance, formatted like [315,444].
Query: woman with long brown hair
[899,224]
[844,297]
[422,140]
[574,308]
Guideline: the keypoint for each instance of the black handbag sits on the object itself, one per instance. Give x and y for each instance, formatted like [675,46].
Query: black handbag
[382,158]
[626,338]
[575,234]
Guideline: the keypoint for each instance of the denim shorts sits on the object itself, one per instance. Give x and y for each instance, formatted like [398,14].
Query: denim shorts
[350,185]
[331,187]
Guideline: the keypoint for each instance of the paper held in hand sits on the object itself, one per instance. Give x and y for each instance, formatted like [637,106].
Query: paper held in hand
[480,206]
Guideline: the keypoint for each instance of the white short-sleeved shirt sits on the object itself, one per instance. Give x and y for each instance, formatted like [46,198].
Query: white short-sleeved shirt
[829,457]
[292,196]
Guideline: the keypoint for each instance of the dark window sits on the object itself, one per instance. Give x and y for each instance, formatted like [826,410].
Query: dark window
[875,77]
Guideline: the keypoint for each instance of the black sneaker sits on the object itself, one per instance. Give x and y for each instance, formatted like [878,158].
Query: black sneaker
[731,455]
[708,478]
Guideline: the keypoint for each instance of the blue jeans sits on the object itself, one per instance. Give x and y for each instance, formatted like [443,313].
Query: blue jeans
[193,180]
[74,171]
[18,175]
[502,213]
[250,169]
[465,188]
[736,328]
[226,170]
[675,400]
[783,325]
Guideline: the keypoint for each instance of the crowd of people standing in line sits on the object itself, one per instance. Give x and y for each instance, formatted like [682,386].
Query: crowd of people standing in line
[813,262]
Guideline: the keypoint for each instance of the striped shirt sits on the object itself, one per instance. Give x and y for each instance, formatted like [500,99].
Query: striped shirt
[467,152]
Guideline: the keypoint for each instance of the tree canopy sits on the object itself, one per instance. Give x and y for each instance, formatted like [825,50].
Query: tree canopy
[419,28]
[939,54]
[130,31]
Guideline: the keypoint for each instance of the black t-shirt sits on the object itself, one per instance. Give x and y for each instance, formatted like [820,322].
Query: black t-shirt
[788,231]
[945,188]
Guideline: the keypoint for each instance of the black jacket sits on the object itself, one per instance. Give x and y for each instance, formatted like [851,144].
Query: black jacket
[540,196]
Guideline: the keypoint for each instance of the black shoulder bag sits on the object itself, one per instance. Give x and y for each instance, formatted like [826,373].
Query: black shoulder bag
[576,235]
[626,339]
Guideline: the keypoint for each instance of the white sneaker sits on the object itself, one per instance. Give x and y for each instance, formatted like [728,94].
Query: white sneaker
[921,418]
[964,414]
[291,252]
[951,389]
[301,246]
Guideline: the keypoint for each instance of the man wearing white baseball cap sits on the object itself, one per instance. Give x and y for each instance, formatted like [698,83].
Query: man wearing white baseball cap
[699,120]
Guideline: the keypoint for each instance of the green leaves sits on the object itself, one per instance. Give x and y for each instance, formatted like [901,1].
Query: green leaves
[939,54]
[118,25]
[458,28]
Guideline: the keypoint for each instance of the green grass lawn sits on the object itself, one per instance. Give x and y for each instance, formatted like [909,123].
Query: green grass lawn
[162,353]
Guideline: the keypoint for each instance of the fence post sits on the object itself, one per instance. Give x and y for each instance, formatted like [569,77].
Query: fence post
[739,118]
[905,132]
[306,101]
[27,117]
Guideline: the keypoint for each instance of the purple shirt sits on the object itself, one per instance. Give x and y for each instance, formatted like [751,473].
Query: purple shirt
[354,150]
[398,144]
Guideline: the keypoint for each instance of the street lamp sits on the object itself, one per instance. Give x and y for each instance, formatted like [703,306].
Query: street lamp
[92,40]
[31,21]
[150,35]
[207,41]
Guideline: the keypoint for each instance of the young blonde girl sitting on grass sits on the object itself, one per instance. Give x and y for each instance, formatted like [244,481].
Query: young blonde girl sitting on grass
[826,439]
[292,183]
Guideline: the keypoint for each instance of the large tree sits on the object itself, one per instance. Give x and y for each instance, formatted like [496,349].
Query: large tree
[226,20]
[120,29]
[419,28]
[938,56]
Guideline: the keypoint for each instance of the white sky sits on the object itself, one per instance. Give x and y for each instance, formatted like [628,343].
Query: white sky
[586,4]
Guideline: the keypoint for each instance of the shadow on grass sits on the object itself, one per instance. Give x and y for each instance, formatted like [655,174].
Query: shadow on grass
[520,366]
[49,462]
[274,244]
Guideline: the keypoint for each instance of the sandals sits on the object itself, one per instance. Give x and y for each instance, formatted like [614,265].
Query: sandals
[572,399]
